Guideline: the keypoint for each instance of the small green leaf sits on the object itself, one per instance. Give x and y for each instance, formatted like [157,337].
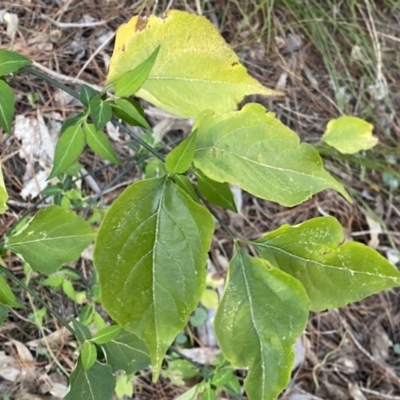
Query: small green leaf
[218,193]
[124,387]
[126,353]
[86,314]
[3,313]
[130,111]
[150,255]
[54,281]
[82,332]
[209,394]
[106,334]
[88,355]
[191,394]
[254,150]
[185,184]
[68,289]
[199,317]
[262,313]
[130,82]
[86,95]
[69,147]
[98,141]
[179,159]
[222,376]
[100,111]
[349,135]
[98,383]
[332,273]
[76,120]
[3,193]
[6,294]
[6,106]
[51,238]
[12,62]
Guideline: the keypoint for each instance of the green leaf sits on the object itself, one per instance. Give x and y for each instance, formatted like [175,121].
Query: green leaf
[12,62]
[98,383]
[186,185]
[86,95]
[69,147]
[130,82]
[209,394]
[191,394]
[150,256]
[6,106]
[124,387]
[68,289]
[3,313]
[82,332]
[130,111]
[98,141]
[76,120]
[126,352]
[51,238]
[3,193]
[254,150]
[100,111]
[349,135]
[106,334]
[88,356]
[54,281]
[333,274]
[262,312]
[86,314]
[195,69]
[218,193]
[6,294]
[179,159]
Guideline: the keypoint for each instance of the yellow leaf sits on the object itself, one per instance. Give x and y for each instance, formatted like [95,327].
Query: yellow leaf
[195,69]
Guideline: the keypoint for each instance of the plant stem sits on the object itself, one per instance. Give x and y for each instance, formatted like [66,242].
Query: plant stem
[37,297]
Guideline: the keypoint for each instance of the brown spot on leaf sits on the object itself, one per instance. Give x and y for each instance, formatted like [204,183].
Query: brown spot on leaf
[234,63]
[141,23]
[123,47]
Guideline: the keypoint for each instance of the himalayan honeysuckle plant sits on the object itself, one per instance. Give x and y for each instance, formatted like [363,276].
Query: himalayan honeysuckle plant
[152,246]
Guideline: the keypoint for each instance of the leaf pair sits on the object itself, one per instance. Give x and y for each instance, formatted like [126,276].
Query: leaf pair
[72,141]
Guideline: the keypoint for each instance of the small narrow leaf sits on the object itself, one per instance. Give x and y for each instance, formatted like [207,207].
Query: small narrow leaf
[3,193]
[100,111]
[82,332]
[185,184]
[12,62]
[106,334]
[179,159]
[6,294]
[262,312]
[333,273]
[98,383]
[195,69]
[69,147]
[254,150]
[130,111]
[6,106]
[98,141]
[51,238]
[88,356]
[130,82]
[76,120]
[3,314]
[349,135]
[209,394]
[86,95]
[218,193]
[126,353]
[150,256]
[68,289]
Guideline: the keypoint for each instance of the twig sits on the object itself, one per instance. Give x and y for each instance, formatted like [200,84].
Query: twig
[74,24]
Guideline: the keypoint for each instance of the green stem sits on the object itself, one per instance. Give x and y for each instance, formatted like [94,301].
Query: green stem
[37,297]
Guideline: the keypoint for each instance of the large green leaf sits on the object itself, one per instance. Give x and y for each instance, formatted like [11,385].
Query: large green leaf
[69,147]
[11,62]
[195,69]
[349,135]
[150,255]
[262,312]
[261,155]
[6,106]
[126,352]
[3,193]
[333,274]
[97,383]
[51,238]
